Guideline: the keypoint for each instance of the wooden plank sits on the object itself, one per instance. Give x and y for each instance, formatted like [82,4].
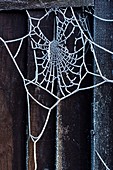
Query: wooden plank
[12,96]
[45,148]
[73,132]
[31,4]
[103,99]
[73,123]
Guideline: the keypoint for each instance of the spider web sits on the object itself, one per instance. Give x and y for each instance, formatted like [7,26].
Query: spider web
[56,61]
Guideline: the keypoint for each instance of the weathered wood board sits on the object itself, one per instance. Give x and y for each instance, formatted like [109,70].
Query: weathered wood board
[103,98]
[13,107]
[31,4]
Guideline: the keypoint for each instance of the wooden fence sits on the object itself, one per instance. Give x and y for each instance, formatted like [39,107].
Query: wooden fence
[79,124]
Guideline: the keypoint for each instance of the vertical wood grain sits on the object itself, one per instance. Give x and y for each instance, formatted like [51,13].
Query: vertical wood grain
[45,150]
[103,98]
[73,132]
[12,95]
[73,126]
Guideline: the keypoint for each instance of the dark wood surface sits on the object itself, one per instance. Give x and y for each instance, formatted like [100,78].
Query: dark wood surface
[103,98]
[12,96]
[73,132]
[73,127]
[70,122]
[34,4]
[46,145]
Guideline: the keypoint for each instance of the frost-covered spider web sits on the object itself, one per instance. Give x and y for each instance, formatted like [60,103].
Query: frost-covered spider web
[54,60]
[59,60]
